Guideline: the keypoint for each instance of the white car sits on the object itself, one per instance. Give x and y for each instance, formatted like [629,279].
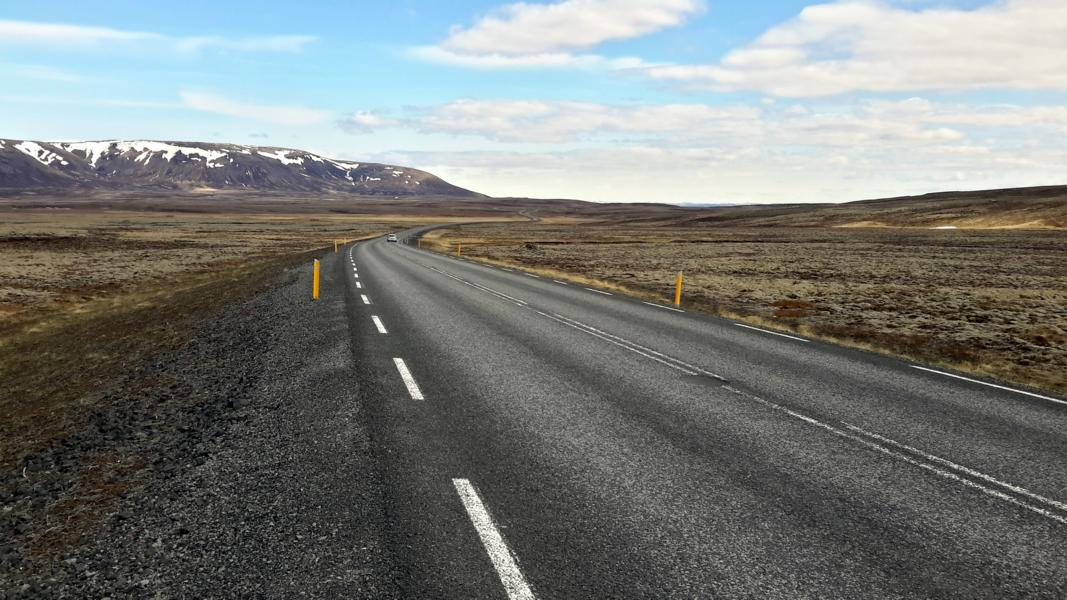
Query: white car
[391,238]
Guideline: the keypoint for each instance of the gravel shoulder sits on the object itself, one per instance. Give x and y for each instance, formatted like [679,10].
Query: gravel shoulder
[236,466]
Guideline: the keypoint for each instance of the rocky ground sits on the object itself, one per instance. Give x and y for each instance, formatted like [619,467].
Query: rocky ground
[237,465]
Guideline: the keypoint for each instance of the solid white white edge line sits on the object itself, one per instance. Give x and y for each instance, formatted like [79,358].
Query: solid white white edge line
[366,300]
[785,335]
[999,387]
[409,381]
[503,561]
[661,306]
[378,324]
[599,291]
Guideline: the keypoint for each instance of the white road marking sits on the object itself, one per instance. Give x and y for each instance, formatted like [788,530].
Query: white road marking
[999,387]
[503,561]
[560,282]
[366,300]
[500,295]
[792,337]
[948,463]
[903,457]
[634,347]
[599,291]
[532,275]
[356,275]
[378,324]
[359,285]
[409,381]
[661,306]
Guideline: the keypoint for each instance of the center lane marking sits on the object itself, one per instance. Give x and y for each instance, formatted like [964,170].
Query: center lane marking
[503,560]
[645,351]
[366,300]
[409,381]
[378,324]
[359,285]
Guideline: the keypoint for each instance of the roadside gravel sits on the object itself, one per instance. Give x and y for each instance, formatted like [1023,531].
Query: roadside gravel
[241,465]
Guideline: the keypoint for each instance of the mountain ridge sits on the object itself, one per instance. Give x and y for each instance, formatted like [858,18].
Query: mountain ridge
[136,164]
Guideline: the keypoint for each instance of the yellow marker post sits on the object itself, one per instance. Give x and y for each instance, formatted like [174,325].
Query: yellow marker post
[315,281]
[419,242]
[459,248]
[335,246]
[678,289]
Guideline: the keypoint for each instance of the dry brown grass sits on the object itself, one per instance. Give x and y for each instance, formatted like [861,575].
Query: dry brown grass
[86,295]
[988,302]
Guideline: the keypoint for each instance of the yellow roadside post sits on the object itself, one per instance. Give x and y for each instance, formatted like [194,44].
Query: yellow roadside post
[459,249]
[678,289]
[419,242]
[335,246]
[315,281]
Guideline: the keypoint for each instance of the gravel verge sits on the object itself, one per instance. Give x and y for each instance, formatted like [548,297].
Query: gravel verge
[237,466]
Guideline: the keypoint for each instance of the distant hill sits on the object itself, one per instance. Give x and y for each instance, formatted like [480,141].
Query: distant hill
[140,164]
[1032,207]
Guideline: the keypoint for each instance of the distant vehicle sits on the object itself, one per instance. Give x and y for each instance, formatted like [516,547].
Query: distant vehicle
[391,238]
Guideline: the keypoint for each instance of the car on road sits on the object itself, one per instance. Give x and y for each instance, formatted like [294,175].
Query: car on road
[391,238]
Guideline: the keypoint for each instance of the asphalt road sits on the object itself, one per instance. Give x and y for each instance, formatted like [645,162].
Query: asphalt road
[539,439]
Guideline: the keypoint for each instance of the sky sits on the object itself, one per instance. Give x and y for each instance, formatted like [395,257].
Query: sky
[678,101]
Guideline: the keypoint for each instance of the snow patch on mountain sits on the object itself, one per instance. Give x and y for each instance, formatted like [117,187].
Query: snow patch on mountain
[41,154]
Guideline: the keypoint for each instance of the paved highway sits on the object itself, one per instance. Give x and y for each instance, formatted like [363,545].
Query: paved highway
[544,440]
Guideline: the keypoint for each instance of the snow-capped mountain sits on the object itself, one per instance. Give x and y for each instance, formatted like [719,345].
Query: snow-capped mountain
[118,164]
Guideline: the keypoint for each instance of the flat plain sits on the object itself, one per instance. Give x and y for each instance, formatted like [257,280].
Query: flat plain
[985,301]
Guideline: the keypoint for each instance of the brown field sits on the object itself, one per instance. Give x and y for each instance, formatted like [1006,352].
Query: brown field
[84,294]
[991,302]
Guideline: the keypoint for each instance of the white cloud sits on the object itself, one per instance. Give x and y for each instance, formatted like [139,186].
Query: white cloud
[551,60]
[45,73]
[364,122]
[525,35]
[20,32]
[782,152]
[275,43]
[865,45]
[522,28]
[541,121]
[282,115]
[59,35]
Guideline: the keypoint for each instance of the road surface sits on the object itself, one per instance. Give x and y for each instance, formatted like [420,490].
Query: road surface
[542,439]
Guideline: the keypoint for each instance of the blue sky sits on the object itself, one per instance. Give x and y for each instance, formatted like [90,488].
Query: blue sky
[608,100]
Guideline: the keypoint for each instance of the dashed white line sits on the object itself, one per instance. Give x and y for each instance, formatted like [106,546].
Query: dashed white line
[792,337]
[359,285]
[560,282]
[661,306]
[409,381]
[532,275]
[366,300]
[993,385]
[378,324]
[503,561]
[599,291]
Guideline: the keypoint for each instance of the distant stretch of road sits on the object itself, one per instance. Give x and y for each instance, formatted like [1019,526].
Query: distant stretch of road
[540,439]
